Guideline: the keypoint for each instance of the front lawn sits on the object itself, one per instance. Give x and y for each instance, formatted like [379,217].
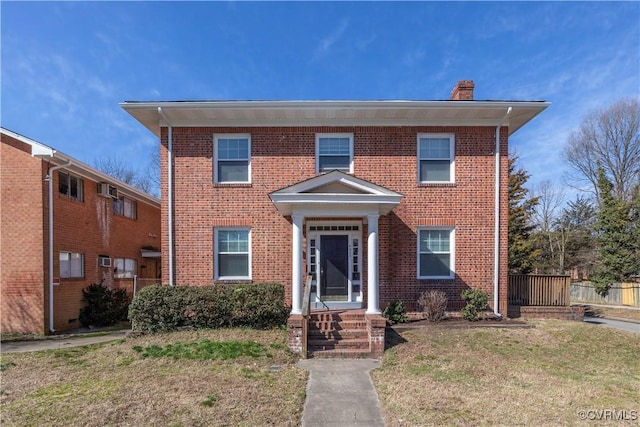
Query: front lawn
[554,374]
[225,377]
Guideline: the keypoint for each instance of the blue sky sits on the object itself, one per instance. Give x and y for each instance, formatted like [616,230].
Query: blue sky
[65,66]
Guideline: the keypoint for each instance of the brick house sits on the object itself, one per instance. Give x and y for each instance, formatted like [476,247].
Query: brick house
[378,200]
[102,229]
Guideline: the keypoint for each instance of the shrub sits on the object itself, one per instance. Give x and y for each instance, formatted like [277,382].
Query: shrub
[164,308]
[395,312]
[105,307]
[433,305]
[477,301]
[259,305]
[159,308]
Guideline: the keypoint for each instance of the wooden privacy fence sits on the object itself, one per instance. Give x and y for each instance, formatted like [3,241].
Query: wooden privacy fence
[538,290]
[626,294]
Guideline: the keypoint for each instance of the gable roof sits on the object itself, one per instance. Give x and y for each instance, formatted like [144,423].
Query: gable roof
[335,189]
[81,169]
[332,113]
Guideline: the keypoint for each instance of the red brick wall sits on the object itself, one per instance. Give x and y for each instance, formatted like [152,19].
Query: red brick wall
[22,254]
[384,155]
[89,227]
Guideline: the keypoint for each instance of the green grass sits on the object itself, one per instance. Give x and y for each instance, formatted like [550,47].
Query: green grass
[204,350]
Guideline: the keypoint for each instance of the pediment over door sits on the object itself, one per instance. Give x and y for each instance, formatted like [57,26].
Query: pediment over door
[336,192]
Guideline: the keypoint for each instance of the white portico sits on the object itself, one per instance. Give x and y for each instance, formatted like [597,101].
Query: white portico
[334,249]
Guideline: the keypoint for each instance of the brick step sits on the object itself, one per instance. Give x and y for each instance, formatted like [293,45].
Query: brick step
[330,344]
[337,325]
[337,315]
[338,334]
[341,354]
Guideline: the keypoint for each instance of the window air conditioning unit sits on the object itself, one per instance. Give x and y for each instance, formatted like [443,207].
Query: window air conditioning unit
[104,261]
[106,190]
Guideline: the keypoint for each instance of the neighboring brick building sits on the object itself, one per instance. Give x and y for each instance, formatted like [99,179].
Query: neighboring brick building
[103,231]
[380,200]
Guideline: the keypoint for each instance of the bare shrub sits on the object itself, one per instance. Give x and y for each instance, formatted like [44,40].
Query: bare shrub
[433,305]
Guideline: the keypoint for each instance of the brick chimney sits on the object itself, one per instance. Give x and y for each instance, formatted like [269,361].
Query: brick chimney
[463,91]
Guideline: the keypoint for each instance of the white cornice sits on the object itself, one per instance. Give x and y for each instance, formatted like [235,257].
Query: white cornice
[332,113]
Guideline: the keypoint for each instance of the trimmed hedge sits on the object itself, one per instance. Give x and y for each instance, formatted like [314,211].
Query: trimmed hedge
[167,308]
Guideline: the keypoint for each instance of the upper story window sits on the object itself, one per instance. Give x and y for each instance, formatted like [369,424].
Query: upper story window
[70,186]
[436,253]
[71,265]
[334,151]
[125,206]
[436,154]
[232,159]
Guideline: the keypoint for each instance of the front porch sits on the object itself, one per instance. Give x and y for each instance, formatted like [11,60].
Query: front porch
[329,215]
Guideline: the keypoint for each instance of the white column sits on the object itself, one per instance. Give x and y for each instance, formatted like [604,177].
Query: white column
[372,266]
[296,264]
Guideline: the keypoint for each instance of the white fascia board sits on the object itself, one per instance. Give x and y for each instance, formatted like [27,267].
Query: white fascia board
[329,105]
[37,148]
[339,198]
[85,171]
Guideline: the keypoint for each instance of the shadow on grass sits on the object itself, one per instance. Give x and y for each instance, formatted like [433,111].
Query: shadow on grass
[392,338]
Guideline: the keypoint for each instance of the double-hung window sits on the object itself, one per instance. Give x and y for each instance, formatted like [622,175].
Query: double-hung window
[232,159]
[436,253]
[436,154]
[334,151]
[70,186]
[232,253]
[71,265]
[125,206]
[125,268]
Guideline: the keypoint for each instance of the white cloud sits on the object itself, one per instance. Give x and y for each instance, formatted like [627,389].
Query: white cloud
[325,45]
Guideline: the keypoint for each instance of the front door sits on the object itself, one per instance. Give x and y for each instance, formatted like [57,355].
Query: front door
[334,267]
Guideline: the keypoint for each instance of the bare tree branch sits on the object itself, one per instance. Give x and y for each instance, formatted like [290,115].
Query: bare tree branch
[609,138]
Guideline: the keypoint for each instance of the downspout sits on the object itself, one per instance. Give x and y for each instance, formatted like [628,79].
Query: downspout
[169,192]
[496,225]
[50,175]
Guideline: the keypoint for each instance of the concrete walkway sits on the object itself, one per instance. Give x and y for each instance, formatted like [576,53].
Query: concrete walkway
[53,343]
[340,393]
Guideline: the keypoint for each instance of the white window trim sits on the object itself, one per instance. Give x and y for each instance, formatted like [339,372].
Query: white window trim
[218,136]
[452,252]
[452,156]
[357,234]
[122,274]
[68,195]
[123,200]
[216,253]
[334,135]
[81,265]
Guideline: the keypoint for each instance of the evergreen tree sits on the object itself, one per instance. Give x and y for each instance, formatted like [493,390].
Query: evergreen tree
[522,249]
[617,234]
[576,225]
